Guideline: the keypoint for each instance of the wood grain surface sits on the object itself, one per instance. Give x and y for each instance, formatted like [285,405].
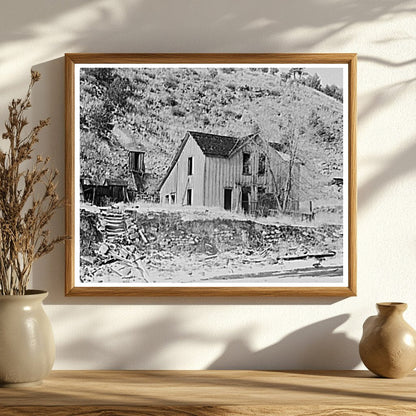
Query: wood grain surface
[204,393]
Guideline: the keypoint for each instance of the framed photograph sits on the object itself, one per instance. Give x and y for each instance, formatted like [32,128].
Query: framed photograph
[211,174]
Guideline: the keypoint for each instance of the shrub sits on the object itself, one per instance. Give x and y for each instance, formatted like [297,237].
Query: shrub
[177,112]
[171,82]
[275,93]
[171,101]
[228,70]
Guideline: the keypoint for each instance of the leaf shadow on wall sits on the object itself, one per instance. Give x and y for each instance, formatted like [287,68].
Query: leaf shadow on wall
[150,22]
[403,162]
[395,168]
[151,345]
[143,26]
[316,346]
[141,345]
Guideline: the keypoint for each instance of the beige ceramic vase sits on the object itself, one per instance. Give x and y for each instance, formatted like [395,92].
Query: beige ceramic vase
[27,347]
[388,344]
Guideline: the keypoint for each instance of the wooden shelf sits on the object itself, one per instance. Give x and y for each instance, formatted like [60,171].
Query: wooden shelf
[202,393]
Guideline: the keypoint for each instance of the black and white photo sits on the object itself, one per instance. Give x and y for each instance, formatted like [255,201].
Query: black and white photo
[212,175]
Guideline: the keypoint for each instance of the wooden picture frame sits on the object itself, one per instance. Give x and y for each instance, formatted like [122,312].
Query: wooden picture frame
[213,90]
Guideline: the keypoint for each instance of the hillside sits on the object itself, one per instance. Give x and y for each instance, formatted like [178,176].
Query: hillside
[159,105]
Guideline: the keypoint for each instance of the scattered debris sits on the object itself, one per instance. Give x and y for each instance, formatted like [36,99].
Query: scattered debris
[136,245]
[143,237]
[317,256]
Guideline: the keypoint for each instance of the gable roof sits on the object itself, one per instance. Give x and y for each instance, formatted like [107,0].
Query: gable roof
[241,143]
[214,144]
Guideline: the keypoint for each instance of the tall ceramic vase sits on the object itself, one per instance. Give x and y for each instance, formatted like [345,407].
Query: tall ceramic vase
[388,345]
[27,347]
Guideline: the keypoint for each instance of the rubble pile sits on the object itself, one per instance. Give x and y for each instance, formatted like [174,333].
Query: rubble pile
[113,258]
[131,246]
[89,233]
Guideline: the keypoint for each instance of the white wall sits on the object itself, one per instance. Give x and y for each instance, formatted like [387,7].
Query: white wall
[198,333]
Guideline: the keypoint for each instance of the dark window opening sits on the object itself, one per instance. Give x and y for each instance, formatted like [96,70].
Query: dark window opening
[189,197]
[136,161]
[262,164]
[261,192]
[172,198]
[227,199]
[190,166]
[246,164]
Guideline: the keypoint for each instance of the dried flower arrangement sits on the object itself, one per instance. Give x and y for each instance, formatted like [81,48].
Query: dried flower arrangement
[28,199]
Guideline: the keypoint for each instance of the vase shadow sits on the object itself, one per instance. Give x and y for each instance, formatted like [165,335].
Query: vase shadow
[314,347]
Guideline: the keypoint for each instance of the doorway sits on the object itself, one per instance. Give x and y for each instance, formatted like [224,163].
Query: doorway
[227,198]
[189,197]
[245,199]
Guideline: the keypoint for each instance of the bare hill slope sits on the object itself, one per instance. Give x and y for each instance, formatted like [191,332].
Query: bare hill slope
[157,106]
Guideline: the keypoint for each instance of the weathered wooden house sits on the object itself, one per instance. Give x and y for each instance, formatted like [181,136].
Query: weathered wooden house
[238,174]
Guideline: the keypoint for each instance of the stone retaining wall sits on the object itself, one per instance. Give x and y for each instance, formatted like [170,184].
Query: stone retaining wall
[168,232]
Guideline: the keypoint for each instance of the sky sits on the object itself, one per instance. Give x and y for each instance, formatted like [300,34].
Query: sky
[328,75]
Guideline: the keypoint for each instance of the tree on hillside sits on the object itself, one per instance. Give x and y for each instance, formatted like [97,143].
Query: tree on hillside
[333,91]
[284,76]
[291,140]
[313,81]
[297,73]
[297,133]
[104,94]
[100,161]
[96,111]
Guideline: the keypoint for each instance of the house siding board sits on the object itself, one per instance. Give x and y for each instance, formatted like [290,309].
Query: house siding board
[179,181]
[211,183]
[170,184]
[215,180]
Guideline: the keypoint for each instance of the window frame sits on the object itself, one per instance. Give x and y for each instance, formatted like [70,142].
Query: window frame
[247,164]
[190,165]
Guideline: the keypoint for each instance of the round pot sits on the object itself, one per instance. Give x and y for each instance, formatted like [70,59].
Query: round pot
[27,347]
[388,345]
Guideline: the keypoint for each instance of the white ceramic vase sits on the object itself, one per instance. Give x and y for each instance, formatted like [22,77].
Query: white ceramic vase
[27,347]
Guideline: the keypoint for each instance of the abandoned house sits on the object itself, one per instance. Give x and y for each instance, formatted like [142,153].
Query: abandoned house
[237,174]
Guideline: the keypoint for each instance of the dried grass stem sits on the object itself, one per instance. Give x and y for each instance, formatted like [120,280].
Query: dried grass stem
[23,217]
